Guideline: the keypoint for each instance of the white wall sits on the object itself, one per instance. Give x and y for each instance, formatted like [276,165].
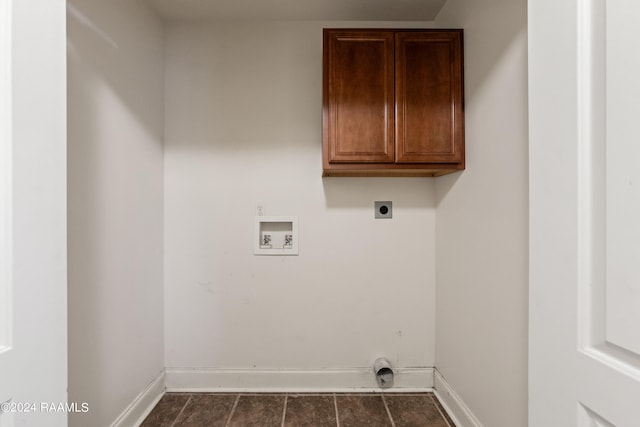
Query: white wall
[115,110]
[482,221]
[243,127]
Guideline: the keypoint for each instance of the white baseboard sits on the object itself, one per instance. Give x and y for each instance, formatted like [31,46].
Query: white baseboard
[455,407]
[291,381]
[320,381]
[142,405]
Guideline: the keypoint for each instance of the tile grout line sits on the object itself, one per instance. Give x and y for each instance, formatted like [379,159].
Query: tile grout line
[335,405]
[437,405]
[284,409]
[233,409]
[181,411]
[393,424]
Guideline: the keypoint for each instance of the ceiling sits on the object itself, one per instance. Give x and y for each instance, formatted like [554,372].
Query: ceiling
[313,10]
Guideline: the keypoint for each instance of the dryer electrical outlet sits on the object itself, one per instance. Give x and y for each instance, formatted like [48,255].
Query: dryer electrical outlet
[383,210]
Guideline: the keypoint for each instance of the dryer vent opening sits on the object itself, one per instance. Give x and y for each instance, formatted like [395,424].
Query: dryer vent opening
[383,372]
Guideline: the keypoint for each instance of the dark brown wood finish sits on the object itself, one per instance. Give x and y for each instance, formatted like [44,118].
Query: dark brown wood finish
[393,102]
[429,111]
[359,102]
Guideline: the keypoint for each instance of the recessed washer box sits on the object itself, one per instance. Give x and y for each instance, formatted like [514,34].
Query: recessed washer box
[275,235]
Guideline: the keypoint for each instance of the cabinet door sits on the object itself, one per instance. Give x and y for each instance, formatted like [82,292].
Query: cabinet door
[429,96]
[359,96]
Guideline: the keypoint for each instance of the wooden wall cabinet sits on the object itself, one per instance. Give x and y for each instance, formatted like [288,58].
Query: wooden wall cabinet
[393,102]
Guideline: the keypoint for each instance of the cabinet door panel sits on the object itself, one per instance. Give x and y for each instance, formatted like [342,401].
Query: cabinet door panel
[429,96]
[360,98]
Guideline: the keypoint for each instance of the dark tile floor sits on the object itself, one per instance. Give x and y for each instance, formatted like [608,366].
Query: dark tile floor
[292,409]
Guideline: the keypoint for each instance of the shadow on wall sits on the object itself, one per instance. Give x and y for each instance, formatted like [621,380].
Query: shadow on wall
[111,56]
[446,183]
[495,116]
[360,193]
[489,31]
